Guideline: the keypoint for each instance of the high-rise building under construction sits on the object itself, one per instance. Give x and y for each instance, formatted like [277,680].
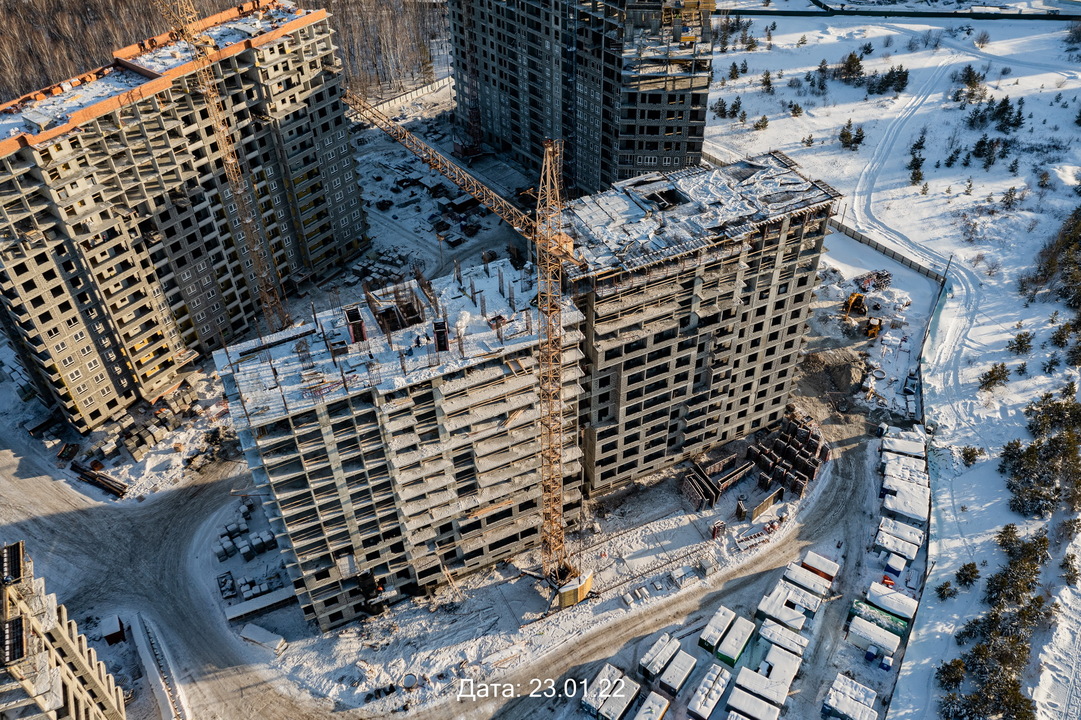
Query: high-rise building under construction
[47,671]
[121,249]
[623,82]
[397,436]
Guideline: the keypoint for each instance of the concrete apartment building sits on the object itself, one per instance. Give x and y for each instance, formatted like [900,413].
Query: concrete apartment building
[623,82]
[695,289]
[121,251]
[47,671]
[398,435]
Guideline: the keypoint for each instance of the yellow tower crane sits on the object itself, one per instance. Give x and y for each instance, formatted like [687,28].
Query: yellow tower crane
[553,247]
[182,18]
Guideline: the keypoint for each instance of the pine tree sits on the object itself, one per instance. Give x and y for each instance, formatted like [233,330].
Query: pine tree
[733,72]
[720,108]
[916,176]
[743,67]
[796,109]
[845,136]
[809,140]
[761,123]
[767,82]
[735,107]
[998,375]
[802,41]
[743,116]
[857,137]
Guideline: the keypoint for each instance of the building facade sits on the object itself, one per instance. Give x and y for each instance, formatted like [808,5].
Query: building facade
[121,250]
[695,292]
[399,436]
[47,671]
[623,82]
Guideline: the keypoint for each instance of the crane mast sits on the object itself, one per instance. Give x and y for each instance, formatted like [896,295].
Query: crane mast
[553,247]
[182,18]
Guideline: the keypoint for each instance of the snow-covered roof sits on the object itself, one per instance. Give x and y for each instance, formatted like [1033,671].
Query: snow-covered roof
[708,693]
[653,708]
[601,687]
[860,693]
[894,544]
[787,604]
[896,562]
[778,634]
[735,639]
[659,655]
[753,707]
[894,484]
[661,216]
[909,500]
[893,601]
[715,628]
[346,350]
[55,106]
[774,677]
[904,467]
[814,561]
[616,705]
[885,640]
[799,575]
[678,671]
[223,34]
[904,446]
[902,530]
[848,707]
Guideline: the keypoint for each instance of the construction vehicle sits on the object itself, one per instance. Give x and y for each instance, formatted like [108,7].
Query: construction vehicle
[855,304]
[873,328]
[553,248]
[182,19]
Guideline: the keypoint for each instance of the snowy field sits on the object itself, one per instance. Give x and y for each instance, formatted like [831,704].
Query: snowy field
[958,214]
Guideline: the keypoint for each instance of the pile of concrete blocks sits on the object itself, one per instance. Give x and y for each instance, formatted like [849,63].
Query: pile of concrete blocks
[794,457]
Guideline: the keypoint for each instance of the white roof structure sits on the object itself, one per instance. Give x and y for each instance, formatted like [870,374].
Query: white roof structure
[654,707]
[902,446]
[323,360]
[896,563]
[618,701]
[774,678]
[602,686]
[779,635]
[904,467]
[799,575]
[754,708]
[789,605]
[910,501]
[708,693]
[892,601]
[735,639]
[884,639]
[677,672]
[893,544]
[661,216]
[860,693]
[716,627]
[814,561]
[902,530]
[733,715]
[659,655]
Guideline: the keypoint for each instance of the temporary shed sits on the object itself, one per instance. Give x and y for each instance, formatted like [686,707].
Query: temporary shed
[902,446]
[885,542]
[778,634]
[617,704]
[675,675]
[754,708]
[911,503]
[654,707]
[715,628]
[849,700]
[257,635]
[904,467]
[774,677]
[657,657]
[708,693]
[821,566]
[902,530]
[799,575]
[602,686]
[789,605]
[892,601]
[895,565]
[863,634]
[735,640]
[885,620]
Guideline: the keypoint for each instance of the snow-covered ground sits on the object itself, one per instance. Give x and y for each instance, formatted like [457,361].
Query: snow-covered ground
[990,246]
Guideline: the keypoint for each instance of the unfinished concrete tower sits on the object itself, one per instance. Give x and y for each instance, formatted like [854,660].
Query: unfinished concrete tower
[120,243]
[398,437]
[47,672]
[695,289]
[623,82]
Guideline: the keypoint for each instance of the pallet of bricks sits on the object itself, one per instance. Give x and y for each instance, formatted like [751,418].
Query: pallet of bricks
[793,457]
